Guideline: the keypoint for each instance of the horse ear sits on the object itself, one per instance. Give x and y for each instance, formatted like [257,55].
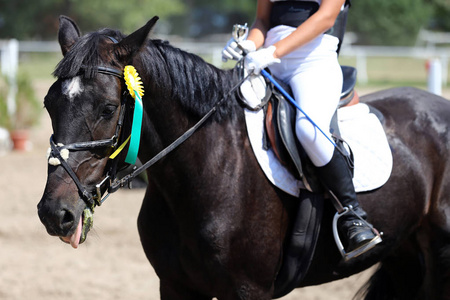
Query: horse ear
[68,33]
[133,42]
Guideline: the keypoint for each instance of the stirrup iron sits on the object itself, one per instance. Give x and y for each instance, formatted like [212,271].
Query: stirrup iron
[347,256]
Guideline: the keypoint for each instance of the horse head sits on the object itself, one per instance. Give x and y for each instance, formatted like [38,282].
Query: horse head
[87,105]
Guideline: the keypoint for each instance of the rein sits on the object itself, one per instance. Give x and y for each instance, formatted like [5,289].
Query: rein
[112,184]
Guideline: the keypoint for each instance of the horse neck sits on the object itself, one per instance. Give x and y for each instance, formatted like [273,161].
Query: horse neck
[180,88]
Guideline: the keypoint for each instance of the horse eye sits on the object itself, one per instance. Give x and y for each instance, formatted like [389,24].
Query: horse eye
[108,111]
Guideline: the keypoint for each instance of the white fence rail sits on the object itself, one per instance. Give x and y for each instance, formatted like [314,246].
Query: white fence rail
[361,53]
[9,61]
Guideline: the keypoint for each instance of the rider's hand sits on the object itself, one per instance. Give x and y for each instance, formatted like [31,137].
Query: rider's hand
[258,60]
[234,52]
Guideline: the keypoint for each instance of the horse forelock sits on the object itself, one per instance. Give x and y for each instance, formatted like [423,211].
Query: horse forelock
[85,55]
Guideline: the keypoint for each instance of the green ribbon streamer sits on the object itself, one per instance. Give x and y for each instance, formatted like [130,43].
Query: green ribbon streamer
[133,149]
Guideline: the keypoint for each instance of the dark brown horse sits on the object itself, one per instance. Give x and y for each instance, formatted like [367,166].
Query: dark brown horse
[211,224]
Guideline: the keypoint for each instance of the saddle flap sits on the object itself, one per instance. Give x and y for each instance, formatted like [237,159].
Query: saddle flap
[280,130]
[286,125]
[300,243]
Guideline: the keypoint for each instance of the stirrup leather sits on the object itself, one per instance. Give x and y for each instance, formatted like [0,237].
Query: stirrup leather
[347,256]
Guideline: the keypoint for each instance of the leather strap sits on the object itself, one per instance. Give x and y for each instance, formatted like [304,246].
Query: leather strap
[125,181]
[55,152]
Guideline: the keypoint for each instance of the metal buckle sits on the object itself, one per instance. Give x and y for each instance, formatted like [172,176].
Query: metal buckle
[114,141]
[98,187]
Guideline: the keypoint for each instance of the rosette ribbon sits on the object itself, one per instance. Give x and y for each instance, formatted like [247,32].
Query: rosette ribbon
[134,85]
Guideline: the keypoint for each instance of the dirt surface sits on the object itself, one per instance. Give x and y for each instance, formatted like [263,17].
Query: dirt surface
[109,265]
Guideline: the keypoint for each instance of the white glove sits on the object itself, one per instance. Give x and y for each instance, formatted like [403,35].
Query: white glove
[232,50]
[258,60]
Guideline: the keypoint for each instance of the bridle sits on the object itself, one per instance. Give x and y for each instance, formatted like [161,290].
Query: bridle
[111,143]
[110,183]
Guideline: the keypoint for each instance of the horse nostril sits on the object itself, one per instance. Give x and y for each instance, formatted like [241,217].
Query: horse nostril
[66,221]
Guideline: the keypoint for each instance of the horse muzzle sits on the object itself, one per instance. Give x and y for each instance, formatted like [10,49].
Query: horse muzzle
[70,223]
[84,226]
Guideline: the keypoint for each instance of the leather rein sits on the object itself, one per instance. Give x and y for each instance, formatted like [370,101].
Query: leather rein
[110,183]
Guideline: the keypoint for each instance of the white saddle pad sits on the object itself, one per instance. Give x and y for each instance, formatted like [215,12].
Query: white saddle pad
[359,128]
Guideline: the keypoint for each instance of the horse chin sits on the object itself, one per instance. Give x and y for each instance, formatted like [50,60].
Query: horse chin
[80,234]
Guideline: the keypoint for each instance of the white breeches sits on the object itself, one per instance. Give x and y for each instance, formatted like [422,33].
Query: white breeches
[315,77]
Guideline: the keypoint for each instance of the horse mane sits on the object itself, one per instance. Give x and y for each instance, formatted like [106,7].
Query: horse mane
[84,56]
[187,78]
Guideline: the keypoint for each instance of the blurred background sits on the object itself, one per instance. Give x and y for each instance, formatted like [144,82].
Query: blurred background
[390,42]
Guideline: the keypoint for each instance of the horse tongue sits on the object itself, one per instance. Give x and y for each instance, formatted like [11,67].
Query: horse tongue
[74,239]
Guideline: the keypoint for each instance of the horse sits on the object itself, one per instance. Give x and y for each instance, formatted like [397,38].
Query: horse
[211,224]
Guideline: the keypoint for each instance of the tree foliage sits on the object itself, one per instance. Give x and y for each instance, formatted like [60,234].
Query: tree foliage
[23,19]
[205,17]
[388,22]
[441,11]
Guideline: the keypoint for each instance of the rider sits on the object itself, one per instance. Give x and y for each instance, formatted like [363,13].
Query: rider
[293,40]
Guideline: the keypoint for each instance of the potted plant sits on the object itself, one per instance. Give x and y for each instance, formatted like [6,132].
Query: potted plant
[27,114]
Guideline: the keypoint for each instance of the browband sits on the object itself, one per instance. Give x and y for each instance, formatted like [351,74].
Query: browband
[110,71]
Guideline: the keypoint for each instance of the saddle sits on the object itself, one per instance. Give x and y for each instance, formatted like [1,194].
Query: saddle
[280,130]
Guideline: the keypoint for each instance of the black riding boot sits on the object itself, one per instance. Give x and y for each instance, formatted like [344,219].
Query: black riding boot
[337,177]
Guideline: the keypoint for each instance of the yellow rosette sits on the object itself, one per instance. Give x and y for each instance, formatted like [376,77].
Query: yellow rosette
[133,81]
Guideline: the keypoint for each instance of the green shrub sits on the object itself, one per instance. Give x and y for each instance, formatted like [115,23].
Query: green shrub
[28,106]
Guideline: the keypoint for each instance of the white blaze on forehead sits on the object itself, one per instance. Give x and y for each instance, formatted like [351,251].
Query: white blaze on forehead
[72,87]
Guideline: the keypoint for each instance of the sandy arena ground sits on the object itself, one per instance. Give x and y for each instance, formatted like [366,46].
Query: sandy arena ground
[109,265]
